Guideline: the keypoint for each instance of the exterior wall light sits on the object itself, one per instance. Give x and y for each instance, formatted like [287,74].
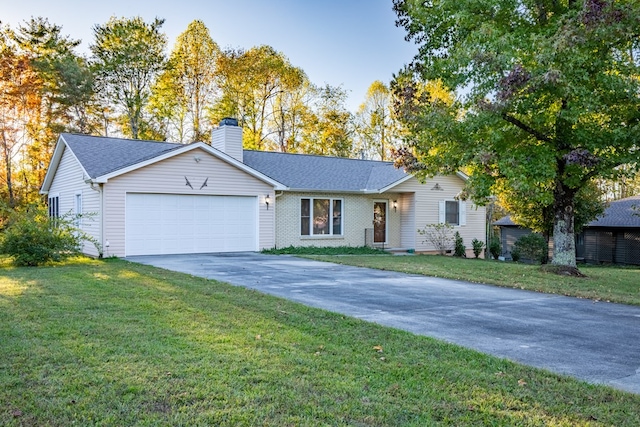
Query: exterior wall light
[395,205]
[267,200]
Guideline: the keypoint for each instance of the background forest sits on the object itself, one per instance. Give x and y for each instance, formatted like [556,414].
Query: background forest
[131,85]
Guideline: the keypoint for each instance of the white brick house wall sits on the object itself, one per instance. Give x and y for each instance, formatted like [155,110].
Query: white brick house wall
[358,215]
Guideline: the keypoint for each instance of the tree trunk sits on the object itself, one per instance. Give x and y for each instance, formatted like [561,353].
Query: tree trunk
[564,243]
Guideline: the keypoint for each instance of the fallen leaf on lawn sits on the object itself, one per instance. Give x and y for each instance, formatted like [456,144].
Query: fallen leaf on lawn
[383,359]
[17,413]
[500,374]
[378,348]
[317,353]
[522,383]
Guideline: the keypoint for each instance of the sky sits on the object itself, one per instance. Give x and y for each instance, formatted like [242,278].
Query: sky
[347,43]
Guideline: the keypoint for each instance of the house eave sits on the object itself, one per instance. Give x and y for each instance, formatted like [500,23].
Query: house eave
[197,145]
[54,163]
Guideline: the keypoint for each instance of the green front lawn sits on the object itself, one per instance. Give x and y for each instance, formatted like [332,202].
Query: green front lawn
[615,284]
[112,343]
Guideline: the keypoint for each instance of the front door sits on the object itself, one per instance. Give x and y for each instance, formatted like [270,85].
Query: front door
[379,222]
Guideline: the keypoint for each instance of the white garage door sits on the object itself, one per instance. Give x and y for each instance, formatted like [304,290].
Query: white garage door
[181,224]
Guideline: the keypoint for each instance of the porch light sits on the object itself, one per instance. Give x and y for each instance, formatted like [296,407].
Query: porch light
[267,199]
[395,205]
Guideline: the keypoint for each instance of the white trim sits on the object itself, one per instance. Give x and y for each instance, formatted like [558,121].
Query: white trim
[77,208]
[181,150]
[56,158]
[386,220]
[459,174]
[331,234]
[57,210]
[462,212]
[398,182]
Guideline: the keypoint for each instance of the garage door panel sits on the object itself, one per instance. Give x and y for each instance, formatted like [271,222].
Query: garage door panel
[169,224]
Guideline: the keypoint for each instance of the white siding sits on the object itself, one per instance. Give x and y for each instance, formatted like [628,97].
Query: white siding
[168,177]
[407,207]
[69,181]
[426,202]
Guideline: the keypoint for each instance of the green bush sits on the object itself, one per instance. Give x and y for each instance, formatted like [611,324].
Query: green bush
[459,249]
[314,250]
[478,245]
[515,255]
[532,247]
[494,247]
[31,238]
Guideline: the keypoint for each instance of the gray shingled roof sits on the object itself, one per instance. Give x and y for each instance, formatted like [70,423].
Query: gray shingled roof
[307,172]
[102,155]
[619,214]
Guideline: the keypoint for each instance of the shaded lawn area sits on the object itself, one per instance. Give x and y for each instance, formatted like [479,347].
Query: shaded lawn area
[605,283]
[113,343]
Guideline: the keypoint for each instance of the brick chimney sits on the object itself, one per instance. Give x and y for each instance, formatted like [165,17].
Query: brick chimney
[228,138]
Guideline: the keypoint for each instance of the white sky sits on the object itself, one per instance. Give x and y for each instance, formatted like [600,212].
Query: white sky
[349,43]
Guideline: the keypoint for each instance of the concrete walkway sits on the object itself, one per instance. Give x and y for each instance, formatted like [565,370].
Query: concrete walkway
[594,341]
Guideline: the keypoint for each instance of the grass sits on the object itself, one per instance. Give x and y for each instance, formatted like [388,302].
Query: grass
[315,250]
[603,283]
[111,343]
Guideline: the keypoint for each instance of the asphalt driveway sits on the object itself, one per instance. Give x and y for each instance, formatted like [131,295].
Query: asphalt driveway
[594,341]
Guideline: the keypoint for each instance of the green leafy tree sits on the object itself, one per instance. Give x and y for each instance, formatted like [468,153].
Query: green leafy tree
[551,97]
[376,128]
[61,100]
[329,129]
[290,111]
[252,82]
[187,87]
[128,55]
[19,86]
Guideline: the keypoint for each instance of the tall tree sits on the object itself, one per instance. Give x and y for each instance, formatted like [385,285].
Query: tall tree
[64,93]
[553,97]
[329,129]
[376,128]
[187,87]
[19,85]
[128,55]
[250,81]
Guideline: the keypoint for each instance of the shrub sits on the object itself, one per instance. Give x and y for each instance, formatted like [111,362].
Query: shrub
[31,238]
[315,250]
[533,247]
[494,247]
[459,249]
[515,255]
[439,235]
[478,245]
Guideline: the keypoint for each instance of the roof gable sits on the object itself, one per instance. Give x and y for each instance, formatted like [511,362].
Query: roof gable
[102,155]
[102,158]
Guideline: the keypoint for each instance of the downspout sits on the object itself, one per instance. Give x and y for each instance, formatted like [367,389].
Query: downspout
[100,190]
[275,220]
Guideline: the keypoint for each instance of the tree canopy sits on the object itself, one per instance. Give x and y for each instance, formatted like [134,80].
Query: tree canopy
[128,54]
[548,99]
